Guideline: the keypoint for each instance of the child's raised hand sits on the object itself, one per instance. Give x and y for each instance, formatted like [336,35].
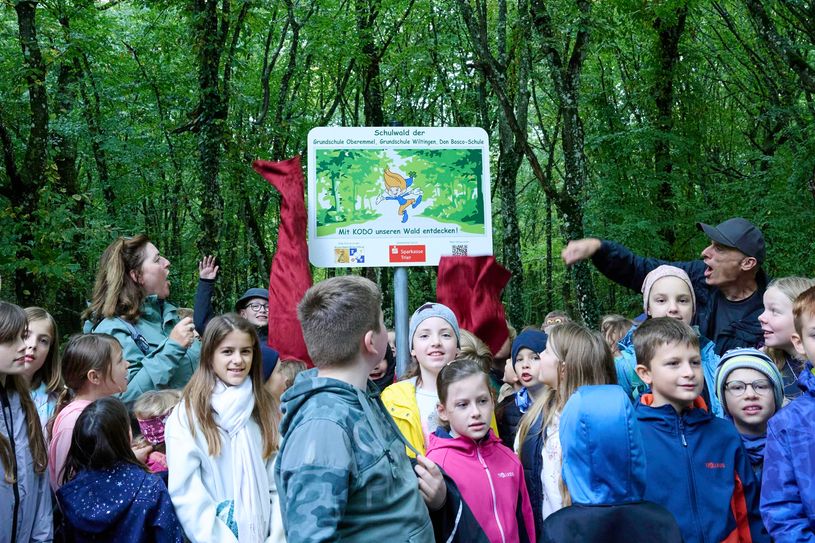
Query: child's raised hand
[207,268]
[431,483]
[510,377]
[580,249]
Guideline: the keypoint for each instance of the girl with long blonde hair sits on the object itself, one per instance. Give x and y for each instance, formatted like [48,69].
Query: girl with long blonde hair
[574,356]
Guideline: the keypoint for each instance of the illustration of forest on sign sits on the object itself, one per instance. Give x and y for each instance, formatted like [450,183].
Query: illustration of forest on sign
[350,180]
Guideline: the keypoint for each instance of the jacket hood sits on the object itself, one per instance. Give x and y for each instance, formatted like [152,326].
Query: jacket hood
[308,383]
[806,380]
[96,501]
[441,439]
[603,454]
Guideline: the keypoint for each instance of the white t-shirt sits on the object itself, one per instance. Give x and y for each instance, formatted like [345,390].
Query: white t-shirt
[428,414]
[552,465]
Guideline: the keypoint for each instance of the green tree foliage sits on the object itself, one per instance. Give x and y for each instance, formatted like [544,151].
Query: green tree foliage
[619,119]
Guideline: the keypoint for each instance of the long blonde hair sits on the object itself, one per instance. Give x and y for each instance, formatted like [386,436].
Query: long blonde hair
[12,325]
[197,394]
[584,358]
[791,287]
[115,293]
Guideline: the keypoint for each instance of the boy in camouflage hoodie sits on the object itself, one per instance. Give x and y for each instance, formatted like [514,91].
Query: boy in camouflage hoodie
[342,472]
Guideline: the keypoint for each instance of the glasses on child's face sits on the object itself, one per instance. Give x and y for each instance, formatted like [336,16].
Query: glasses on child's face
[257,308]
[760,387]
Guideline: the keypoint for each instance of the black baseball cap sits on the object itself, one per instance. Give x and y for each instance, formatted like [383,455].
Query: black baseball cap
[738,233]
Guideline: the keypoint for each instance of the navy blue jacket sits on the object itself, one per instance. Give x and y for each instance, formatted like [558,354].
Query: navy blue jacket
[622,266]
[698,470]
[604,468]
[787,495]
[508,417]
[531,454]
[123,504]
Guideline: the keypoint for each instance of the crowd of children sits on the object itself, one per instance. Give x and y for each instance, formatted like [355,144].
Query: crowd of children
[639,431]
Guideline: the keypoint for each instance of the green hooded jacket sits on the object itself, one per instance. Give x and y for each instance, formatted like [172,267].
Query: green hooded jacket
[342,471]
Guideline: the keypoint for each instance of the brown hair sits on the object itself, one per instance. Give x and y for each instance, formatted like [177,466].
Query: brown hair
[804,305]
[197,394]
[654,333]
[460,368]
[335,315]
[101,439]
[585,359]
[12,327]
[115,293]
[49,373]
[289,368]
[83,353]
[557,316]
[614,328]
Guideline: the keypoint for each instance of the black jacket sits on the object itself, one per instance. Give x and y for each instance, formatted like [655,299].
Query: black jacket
[622,266]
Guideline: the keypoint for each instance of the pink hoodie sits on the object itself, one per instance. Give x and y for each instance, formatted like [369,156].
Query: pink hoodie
[491,481]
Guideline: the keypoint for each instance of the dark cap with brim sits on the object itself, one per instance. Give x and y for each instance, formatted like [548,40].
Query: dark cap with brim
[270,358]
[249,294]
[738,233]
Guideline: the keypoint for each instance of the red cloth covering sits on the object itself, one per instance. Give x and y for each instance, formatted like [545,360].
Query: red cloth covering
[471,286]
[290,276]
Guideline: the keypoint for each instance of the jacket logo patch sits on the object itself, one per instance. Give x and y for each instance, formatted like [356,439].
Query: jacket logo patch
[505,474]
[714,465]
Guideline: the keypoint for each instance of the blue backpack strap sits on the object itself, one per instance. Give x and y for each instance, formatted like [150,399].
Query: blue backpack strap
[141,343]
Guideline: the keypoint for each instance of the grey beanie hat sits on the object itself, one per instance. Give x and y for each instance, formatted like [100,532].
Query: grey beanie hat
[754,360]
[431,309]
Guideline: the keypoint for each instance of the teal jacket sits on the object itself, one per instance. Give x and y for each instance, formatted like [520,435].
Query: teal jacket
[342,471]
[168,364]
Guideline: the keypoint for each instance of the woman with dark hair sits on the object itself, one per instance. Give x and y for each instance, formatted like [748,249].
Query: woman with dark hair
[108,495]
[130,303]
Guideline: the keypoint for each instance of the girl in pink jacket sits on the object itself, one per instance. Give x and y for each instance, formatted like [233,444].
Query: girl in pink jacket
[488,474]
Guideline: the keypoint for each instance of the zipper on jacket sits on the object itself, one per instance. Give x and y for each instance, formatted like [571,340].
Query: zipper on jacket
[492,491]
[694,505]
[16,485]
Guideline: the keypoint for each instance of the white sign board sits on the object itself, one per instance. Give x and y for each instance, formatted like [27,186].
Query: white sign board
[397,196]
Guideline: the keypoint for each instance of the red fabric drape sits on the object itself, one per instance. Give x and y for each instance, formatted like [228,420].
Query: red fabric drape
[471,286]
[290,277]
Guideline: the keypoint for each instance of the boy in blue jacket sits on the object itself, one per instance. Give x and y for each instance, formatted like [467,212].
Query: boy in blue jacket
[696,465]
[788,492]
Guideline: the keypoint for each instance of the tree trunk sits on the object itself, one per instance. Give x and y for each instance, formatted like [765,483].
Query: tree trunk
[25,186]
[669,32]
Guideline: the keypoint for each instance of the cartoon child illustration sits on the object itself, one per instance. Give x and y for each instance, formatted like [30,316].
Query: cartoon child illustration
[398,188]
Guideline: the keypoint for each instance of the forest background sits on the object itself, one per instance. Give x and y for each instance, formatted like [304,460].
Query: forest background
[629,120]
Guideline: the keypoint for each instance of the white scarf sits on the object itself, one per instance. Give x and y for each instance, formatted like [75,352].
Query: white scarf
[233,408]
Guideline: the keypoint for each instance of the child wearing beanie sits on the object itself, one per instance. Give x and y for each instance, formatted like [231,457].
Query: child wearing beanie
[434,342]
[667,291]
[750,389]
[525,360]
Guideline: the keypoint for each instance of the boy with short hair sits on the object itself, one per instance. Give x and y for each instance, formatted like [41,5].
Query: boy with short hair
[787,497]
[342,471]
[696,465]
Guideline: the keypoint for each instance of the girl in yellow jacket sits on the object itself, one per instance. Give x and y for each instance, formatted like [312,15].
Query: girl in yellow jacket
[434,342]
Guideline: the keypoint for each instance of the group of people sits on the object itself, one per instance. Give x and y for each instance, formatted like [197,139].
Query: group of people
[692,422]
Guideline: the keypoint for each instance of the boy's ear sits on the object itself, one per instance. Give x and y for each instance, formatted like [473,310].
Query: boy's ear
[644,373]
[798,344]
[369,344]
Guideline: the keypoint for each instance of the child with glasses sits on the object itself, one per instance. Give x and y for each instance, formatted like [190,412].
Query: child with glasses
[750,389]
[252,306]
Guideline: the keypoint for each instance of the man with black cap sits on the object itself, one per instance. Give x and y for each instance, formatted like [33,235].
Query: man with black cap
[729,282]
